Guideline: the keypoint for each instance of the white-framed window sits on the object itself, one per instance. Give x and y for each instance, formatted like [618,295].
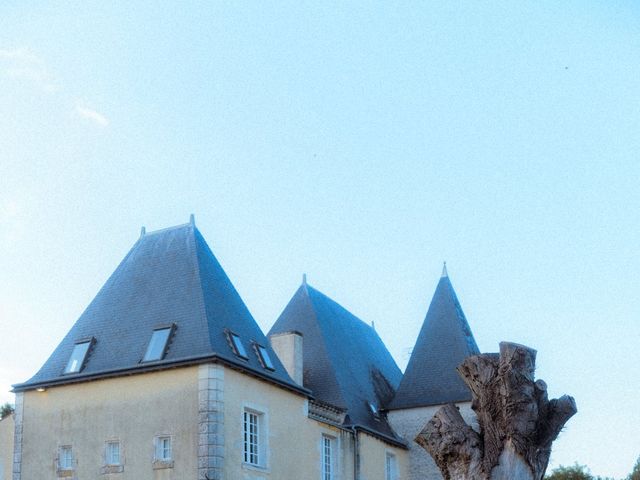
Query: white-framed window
[391,467]
[65,458]
[112,453]
[251,430]
[328,458]
[255,448]
[164,448]
[113,457]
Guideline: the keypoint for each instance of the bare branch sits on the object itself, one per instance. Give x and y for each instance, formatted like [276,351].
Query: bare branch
[517,421]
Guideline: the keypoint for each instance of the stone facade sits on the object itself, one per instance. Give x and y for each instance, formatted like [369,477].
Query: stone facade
[210,422]
[408,423]
[201,409]
[6,447]
[18,418]
[136,410]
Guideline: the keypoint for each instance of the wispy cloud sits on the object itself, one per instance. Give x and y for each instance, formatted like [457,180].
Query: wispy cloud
[92,115]
[23,64]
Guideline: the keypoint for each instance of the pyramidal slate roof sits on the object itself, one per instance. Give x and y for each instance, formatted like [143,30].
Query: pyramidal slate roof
[445,340]
[346,364]
[168,277]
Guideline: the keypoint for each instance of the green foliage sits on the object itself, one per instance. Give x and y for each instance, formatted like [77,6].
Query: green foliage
[581,472]
[635,473]
[575,472]
[6,410]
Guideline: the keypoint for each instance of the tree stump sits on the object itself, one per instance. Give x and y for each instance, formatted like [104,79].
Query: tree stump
[517,422]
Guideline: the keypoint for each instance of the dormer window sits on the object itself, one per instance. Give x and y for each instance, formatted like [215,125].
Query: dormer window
[158,344]
[265,359]
[78,356]
[237,346]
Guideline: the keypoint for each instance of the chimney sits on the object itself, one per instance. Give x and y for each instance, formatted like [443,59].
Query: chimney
[288,347]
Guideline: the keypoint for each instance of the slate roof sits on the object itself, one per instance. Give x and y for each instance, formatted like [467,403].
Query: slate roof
[445,340]
[345,362]
[168,277]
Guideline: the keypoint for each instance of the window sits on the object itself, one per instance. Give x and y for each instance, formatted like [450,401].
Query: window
[78,356]
[65,458]
[251,438]
[163,449]
[113,453]
[238,347]
[157,345]
[163,455]
[391,468]
[328,458]
[265,359]
[374,410]
[113,458]
[255,439]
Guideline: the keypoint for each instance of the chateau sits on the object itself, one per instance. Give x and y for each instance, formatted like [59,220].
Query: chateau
[166,375]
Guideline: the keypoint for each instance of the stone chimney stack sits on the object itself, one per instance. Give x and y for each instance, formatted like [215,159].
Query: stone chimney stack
[288,347]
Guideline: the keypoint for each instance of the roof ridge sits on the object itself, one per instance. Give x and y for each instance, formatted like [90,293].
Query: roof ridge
[325,338]
[110,278]
[349,312]
[167,229]
[321,327]
[196,260]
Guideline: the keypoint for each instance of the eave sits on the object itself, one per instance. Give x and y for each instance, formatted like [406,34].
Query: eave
[159,366]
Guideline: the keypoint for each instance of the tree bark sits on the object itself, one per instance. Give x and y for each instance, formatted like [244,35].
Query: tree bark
[517,422]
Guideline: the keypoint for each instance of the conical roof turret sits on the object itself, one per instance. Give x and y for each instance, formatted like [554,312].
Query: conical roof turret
[445,340]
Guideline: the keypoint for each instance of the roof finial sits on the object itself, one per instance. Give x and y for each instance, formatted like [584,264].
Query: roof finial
[444,270]
[192,219]
[373,324]
[304,279]
[143,231]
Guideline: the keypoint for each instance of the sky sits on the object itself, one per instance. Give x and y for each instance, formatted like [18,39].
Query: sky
[361,143]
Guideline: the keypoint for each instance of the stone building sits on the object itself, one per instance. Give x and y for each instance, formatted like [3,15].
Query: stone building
[166,375]
[7,427]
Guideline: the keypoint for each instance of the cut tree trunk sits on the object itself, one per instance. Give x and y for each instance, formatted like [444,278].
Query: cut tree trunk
[517,422]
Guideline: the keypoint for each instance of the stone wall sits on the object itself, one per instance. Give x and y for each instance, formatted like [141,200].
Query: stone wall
[408,423]
[134,410]
[201,408]
[18,418]
[210,421]
[294,441]
[373,458]
[6,447]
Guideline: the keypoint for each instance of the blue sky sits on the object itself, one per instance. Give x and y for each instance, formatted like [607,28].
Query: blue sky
[361,143]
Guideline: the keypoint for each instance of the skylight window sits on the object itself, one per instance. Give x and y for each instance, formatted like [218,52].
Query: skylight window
[265,359]
[238,347]
[78,357]
[157,345]
[374,409]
